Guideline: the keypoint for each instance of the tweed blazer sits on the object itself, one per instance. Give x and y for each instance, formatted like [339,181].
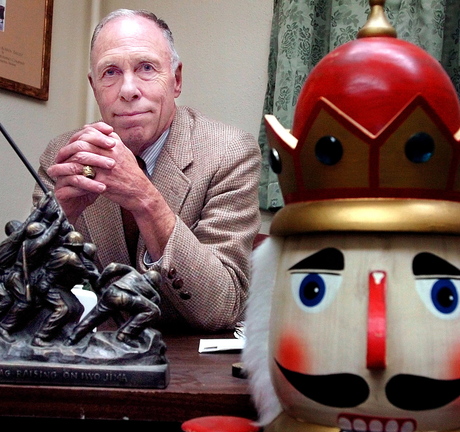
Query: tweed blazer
[208,172]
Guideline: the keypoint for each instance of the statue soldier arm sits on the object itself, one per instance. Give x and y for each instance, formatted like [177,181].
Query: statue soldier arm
[113,270]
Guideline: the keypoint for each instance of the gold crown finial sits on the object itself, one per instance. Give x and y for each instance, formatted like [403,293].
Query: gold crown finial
[377,23]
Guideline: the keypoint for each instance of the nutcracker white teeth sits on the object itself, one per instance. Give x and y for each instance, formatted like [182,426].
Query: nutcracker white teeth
[359,424]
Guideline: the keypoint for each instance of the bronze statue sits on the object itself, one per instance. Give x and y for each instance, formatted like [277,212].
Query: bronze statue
[41,260]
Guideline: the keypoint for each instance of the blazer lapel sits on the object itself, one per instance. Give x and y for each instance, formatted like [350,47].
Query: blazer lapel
[168,175]
[176,155]
[171,182]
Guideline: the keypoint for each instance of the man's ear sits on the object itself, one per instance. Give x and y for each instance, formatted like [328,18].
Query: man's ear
[178,80]
[91,82]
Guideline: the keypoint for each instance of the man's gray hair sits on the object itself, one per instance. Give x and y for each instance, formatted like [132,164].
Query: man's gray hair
[145,14]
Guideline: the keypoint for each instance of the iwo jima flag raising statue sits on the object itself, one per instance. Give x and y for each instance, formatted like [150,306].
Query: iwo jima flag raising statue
[44,337]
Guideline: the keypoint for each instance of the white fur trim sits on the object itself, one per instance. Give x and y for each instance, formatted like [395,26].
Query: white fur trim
[255,354]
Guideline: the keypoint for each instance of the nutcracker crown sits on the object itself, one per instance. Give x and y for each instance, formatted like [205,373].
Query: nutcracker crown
[375,141]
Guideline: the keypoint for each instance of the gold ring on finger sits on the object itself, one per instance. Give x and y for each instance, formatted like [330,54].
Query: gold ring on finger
[88,171]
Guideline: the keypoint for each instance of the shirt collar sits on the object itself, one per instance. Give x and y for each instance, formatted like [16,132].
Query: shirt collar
[151,153]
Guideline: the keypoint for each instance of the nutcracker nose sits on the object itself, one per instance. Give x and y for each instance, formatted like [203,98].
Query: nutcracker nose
[376,322]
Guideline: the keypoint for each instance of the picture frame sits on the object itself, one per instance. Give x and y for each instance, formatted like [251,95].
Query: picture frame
[25,46]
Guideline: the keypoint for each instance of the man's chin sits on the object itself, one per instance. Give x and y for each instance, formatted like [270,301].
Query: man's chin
[134,138]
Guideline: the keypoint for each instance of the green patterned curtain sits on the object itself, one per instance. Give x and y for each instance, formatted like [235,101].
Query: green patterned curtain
[304,31]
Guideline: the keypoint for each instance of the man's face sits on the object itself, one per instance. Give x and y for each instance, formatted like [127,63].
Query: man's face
[133,81]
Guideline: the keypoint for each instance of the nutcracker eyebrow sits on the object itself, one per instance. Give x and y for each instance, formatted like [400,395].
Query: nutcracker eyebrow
[428,264]
[325,259]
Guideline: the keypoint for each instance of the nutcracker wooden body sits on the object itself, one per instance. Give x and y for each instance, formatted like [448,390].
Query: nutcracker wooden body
[353,321]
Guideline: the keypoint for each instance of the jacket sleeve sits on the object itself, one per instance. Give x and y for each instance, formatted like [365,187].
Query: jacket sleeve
[206,267]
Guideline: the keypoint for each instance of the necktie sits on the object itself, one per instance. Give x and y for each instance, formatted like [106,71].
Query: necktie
[130,227]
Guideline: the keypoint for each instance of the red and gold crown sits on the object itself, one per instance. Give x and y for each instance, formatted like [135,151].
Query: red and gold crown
[375,141]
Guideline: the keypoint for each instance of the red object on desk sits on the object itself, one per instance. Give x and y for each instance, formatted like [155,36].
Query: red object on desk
[219,424]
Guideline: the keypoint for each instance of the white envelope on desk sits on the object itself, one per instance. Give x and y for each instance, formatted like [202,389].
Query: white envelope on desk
[214,345]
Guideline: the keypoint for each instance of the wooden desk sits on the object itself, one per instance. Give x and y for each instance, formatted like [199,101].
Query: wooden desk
[201,384]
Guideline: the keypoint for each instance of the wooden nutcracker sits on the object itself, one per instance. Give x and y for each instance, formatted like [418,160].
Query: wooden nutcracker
[353,321]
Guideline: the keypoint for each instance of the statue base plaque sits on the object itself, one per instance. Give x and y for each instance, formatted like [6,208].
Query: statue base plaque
[38,373]
[98,360]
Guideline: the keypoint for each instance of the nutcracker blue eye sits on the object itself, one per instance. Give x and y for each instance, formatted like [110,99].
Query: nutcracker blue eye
[437,282]
[444,296]
[316,279]
[440,296]
[312,290]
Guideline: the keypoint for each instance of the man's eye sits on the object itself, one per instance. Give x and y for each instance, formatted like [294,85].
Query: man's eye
[146,67]
[109,72]
[440,296]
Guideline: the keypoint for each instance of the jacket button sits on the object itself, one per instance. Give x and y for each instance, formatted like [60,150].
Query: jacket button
[172,273]
[185,295]
[178,283]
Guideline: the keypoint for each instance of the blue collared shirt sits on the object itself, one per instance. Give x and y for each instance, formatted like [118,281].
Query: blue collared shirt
[150,155]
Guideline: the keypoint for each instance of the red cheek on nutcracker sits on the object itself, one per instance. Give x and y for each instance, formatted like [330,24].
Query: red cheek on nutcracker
[291,352]
[455,364]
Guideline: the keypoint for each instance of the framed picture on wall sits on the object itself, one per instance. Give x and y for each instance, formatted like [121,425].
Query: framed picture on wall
[25,46]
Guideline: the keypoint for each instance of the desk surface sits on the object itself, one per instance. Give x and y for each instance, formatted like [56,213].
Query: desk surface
[200,384]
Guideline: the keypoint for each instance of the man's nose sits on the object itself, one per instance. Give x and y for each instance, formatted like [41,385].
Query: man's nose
[129,89]
[376,321]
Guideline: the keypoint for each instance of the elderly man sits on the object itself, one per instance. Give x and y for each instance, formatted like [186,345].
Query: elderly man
[194,203]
